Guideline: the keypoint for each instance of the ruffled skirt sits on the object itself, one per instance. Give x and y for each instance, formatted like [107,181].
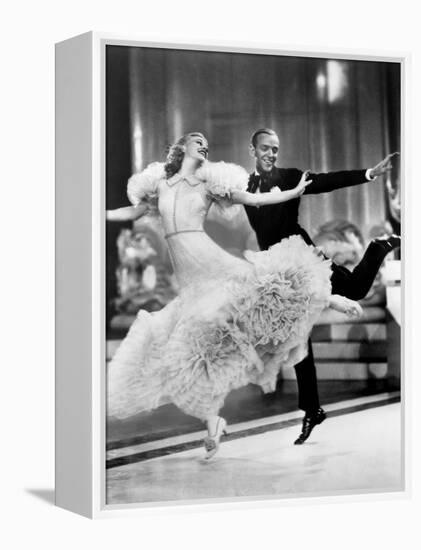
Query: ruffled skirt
[239,325]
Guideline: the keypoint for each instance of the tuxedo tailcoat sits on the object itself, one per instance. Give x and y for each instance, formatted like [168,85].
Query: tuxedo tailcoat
[275,222]
[272,223]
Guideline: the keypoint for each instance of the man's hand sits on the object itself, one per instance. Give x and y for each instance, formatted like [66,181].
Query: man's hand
[384,166]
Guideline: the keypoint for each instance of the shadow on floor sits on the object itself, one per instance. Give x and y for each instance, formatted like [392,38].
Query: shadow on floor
[47,495]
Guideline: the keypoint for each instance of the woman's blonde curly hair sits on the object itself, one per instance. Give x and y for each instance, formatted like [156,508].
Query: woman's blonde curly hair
[176,153]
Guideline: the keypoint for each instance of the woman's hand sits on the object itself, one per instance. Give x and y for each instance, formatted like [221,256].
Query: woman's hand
[275,195]
[126,213]
[345,305]
[302,184]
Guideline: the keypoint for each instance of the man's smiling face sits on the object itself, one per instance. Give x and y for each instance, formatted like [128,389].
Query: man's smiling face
[265,152]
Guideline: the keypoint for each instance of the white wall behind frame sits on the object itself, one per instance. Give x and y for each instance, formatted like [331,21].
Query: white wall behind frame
[26,403]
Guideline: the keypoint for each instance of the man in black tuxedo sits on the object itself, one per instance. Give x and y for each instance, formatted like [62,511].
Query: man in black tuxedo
[273,223]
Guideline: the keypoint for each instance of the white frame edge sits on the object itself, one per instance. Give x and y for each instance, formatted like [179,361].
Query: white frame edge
[74,135]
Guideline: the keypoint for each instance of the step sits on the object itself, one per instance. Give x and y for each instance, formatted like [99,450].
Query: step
[344,370]
[374,351]
[334,349]
[371,314]
[354,332]
[326,370]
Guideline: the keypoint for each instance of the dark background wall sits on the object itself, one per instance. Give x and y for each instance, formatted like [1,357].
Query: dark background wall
[329,115]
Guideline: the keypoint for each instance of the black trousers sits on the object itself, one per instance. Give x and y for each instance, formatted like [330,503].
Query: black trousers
[354,285]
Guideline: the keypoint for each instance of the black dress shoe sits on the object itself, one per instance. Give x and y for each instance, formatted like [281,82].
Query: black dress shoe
[309,422]
[389,243]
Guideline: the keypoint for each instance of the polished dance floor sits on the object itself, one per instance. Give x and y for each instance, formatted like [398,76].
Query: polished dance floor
[357,449]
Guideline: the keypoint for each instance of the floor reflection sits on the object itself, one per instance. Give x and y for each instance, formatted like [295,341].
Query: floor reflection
[355,452]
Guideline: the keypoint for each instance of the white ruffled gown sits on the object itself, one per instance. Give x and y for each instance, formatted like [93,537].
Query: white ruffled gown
[234,322]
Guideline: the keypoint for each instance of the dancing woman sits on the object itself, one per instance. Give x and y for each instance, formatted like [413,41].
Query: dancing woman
[235,321]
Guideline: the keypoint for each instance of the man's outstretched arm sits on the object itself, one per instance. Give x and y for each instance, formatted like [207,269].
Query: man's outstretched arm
[330,181]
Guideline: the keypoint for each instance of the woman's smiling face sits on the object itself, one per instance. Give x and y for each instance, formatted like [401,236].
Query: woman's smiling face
[196,147]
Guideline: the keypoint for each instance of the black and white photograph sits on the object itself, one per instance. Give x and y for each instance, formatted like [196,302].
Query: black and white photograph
[253,254]
[210,301]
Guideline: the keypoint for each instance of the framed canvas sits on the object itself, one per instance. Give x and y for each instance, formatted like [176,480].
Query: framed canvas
[194,305]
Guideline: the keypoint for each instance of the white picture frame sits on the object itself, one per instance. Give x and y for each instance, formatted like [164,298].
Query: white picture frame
[80,272]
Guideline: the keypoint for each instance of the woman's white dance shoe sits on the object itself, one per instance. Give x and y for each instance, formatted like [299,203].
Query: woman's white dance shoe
[212,442]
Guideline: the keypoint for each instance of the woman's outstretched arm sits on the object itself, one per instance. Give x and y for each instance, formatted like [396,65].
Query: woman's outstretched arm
[275,196]
[127,213]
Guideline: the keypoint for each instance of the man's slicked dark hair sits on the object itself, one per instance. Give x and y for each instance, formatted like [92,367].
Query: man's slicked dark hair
[261,131]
